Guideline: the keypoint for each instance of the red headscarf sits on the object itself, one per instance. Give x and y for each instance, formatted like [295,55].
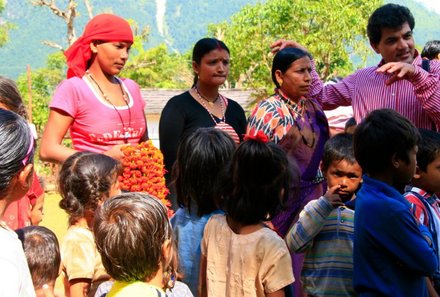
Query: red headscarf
[106,27]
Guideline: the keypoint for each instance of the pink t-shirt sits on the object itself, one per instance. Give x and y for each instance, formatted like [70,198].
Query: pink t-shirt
[97,126]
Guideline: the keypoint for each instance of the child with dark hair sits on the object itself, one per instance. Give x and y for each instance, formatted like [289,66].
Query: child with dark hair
[16,215]
[201,159]
[325,228]
[43,257]
[86,180]
[350,126]
[36,199]
[178,290]
[392,252]
[424,184]
[241,255]
[431,50]
[16,169]
[134,237]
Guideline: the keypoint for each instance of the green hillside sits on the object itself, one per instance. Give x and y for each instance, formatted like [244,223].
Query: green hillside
[184,22]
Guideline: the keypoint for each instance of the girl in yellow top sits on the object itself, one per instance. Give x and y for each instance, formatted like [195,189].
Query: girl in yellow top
[86,180]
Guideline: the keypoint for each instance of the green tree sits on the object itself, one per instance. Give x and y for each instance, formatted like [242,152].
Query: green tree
[43,84]
[4,26]
[332,30]
[157,68]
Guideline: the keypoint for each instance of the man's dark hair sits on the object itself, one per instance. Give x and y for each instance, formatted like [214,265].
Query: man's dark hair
[392,16]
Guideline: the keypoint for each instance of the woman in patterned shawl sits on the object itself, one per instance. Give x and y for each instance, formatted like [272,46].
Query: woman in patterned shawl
[295,121]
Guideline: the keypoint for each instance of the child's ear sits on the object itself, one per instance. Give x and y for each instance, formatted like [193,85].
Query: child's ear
[417,175]
[167,250]
[395,161]
[25,176]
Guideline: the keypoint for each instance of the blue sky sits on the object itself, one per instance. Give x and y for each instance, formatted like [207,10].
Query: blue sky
[433,4]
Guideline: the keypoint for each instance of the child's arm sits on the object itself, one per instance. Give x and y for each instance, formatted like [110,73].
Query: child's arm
[279,293]
[431,290]
[79,287]
[401,235]
[202,292]
[311,221]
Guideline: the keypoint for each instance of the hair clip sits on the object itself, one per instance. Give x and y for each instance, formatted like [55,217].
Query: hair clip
[259,137]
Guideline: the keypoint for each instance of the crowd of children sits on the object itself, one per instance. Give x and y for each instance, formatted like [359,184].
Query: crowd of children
[374,231]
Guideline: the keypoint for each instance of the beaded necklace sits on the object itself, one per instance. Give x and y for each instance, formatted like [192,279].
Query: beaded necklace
[202,101]
[124,97]
[298,110]
[211,103]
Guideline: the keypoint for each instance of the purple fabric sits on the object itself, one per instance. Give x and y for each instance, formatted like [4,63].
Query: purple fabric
[307,161]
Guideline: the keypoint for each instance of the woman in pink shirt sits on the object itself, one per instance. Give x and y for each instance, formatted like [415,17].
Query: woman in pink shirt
[102,111]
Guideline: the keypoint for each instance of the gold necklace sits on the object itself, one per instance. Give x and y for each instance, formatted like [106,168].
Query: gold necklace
[222,107]
[126,134]
[211,103]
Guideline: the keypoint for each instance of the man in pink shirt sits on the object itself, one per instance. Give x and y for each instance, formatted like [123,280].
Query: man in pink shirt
[398,82]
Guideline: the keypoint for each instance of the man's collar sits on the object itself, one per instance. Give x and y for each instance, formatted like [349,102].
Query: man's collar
[416,61]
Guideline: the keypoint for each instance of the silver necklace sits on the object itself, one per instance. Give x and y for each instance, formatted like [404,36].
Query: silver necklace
[124,97]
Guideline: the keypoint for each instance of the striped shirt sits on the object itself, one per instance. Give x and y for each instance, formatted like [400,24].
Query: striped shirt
[325,234]
[417,98]
[421,212]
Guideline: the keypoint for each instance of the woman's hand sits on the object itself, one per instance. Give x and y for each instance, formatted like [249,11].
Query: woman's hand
[115,152]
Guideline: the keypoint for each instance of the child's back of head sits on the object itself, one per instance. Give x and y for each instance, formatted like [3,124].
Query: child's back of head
[201,159]
[16,169]
[10,97]
[16,150]
[260,181]
[43,255]
[385,141]
[86,179]
[133,236]
[340,167]
[431,50]
[427,175]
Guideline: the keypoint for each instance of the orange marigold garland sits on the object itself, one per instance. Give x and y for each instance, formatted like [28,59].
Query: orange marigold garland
[144,171]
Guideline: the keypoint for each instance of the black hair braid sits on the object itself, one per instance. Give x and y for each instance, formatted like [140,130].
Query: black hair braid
[72,206]
[97,189]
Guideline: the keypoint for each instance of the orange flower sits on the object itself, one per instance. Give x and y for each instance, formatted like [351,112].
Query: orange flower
[144,171]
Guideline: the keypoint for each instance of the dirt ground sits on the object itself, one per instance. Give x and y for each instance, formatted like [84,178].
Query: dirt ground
[56,220]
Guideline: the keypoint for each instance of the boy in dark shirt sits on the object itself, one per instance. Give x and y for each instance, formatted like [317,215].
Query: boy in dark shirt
[391,255]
